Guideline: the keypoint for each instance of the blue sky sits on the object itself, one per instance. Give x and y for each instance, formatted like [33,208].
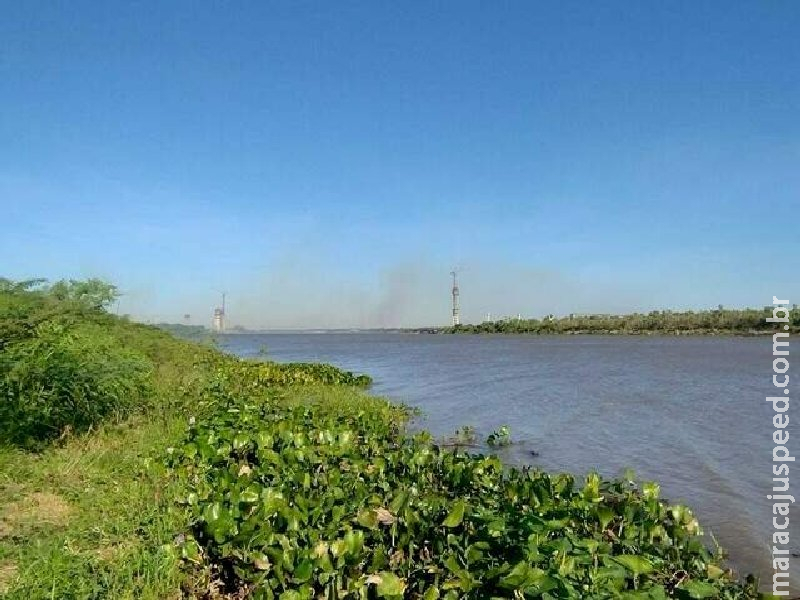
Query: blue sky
[328,163]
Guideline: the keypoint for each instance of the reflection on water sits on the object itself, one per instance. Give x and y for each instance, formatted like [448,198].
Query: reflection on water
[687,412]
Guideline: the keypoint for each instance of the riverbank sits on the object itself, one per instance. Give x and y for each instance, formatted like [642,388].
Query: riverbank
[475,330]
[230,478]
[720,321]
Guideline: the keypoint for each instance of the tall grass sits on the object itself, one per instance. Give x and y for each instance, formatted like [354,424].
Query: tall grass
[68,378]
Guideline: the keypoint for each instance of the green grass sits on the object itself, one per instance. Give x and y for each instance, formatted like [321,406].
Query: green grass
[93,518]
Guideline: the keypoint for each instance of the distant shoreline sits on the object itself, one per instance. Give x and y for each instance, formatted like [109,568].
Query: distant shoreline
[745,322]
[449,331]
[630,333]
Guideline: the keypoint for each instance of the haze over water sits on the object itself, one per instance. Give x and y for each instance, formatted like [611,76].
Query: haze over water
[688,413]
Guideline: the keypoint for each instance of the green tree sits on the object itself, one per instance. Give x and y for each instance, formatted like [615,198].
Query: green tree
[94,293]
[26,285]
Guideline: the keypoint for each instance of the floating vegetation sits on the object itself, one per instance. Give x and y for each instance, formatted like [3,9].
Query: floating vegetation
[499,437]
[463,437]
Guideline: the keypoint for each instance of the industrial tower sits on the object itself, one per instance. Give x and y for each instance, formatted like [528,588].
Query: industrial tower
[456,319]
[218,324]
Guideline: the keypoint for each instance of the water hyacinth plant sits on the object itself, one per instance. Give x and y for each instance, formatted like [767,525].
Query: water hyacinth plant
[499,437]
[326,497]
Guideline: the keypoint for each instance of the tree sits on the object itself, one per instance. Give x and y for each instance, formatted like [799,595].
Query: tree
[94,293]
[7,285]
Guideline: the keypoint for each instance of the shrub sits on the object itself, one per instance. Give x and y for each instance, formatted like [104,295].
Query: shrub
[67,377]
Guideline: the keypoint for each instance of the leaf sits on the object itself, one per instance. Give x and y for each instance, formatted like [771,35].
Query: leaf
[211,512]
[191,551]
[633,562]
[367,518]
[651,490]
[303,571]
[714,572]
[354,541]
[700,589]
[517,577]
[456,515]
[530,579]
[248,496]
[605,515]
[390,585]
[431,593]
[262,563]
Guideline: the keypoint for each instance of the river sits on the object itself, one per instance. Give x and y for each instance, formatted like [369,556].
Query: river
[688,412]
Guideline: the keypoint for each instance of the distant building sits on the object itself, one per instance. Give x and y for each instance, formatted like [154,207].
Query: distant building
[218,322]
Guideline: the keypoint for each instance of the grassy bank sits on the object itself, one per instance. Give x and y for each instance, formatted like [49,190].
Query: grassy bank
[90,518]
[86,503]
[140,466]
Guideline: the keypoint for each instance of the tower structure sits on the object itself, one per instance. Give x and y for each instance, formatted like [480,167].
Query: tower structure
[218,323]
[456,316]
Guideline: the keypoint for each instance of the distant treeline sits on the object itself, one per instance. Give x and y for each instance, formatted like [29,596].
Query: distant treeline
[739,321]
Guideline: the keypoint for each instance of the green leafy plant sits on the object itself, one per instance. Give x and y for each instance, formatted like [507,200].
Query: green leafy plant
[328,497]
[499,437]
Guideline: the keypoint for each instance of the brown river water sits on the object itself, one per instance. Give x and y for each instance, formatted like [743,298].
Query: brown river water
[688,412]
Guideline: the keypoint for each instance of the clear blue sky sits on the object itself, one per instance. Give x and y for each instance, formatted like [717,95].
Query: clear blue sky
[327,163]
